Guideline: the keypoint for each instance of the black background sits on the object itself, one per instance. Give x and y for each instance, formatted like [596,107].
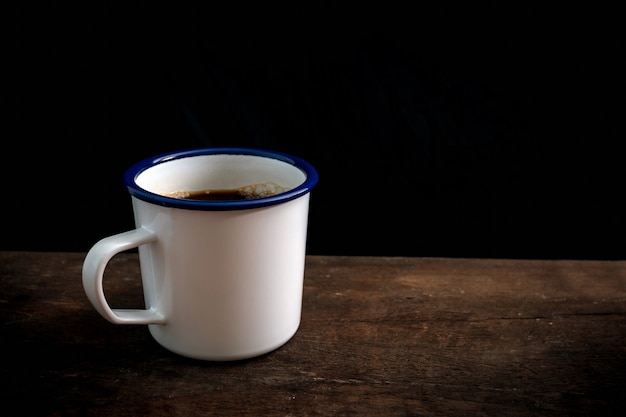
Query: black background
[435,131]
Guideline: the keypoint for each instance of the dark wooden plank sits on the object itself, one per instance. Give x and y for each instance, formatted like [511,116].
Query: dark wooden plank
[379,336]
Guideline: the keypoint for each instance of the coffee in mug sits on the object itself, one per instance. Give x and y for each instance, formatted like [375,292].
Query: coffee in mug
[241,193]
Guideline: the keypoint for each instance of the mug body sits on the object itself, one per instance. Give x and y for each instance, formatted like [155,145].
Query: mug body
[226,275]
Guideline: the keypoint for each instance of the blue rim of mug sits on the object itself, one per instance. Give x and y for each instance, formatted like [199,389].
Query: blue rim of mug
[135,190]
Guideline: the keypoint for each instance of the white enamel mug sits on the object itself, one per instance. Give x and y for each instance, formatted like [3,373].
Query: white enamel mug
[222,280]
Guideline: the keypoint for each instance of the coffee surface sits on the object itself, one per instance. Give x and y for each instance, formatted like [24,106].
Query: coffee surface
[242,193]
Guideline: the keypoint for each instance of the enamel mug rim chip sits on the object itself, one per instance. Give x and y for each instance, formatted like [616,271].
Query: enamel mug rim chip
[131,175]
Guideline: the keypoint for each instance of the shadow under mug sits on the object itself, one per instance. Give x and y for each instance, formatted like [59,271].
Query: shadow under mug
[222,280]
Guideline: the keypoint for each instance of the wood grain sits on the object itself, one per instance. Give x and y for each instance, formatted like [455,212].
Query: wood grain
[379,336]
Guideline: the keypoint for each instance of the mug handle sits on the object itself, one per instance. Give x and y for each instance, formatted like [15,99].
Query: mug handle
[93,271]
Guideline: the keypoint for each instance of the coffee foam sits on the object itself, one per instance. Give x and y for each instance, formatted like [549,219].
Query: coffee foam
[247,191]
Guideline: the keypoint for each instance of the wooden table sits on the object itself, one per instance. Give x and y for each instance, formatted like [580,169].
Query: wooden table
[379,336]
